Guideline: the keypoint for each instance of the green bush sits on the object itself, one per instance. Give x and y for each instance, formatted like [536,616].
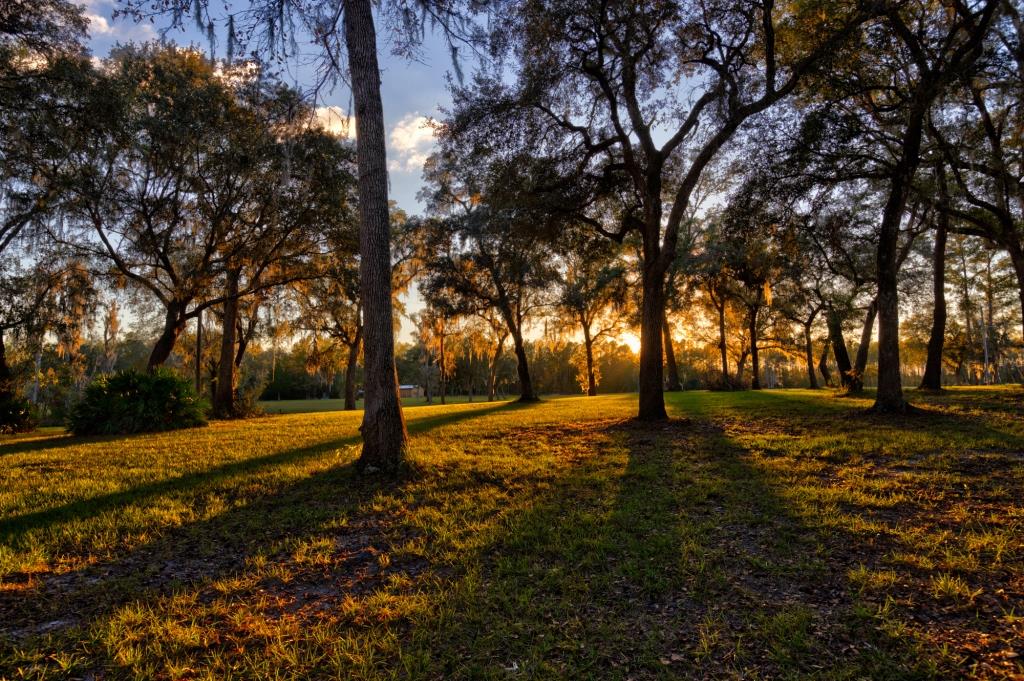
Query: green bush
[137,402]
[16,414]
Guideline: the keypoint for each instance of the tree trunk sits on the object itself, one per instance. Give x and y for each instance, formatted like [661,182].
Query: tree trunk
[384,434]
[1017,258]
[588,346]
[493,373]
[174,324]
[889,398]
[224,394]
[526,393]
[812,378]
[823,363]
[741,365]
[860,364]
[199,353]
[350,370]
[674,384]
[835,334]
[7,383]
[755,362]
[722,346]
[441,373]
[651,383]
[932,379]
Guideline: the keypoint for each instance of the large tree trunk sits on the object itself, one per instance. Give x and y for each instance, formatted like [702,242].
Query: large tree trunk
[651,383]
[755,362]
[1017,258]
[889,398]
[932,379]
[812,378]
[674,384]
[823,363]
[526,392]
[860,364]
[384,434]
[174,325]
[350,370]
[842,357]
[224,394]
[588,347]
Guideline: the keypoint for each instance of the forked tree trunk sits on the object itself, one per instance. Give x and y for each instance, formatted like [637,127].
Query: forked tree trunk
[842,357]
[383,429]
[932,379]
[823,363]
[812,379]
[860,364]
[350,370]
[526,392]
[674,384]
[174,325]
[224,394]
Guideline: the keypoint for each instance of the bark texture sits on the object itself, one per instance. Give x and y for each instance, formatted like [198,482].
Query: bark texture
[674,384]
[383,428]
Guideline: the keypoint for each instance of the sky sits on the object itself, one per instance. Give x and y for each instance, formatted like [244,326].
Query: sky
[412,92]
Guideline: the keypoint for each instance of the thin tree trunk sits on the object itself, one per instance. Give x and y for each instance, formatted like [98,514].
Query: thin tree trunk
[932,379]
[224,394]
[722,346]
[674,384]
[350,370]
[755,362]
[860,364]
[835,333]
[493,373]
[7,383]
[588,346]
[441,373]
[384,434]
[741,365]
[199,353]
[812,378]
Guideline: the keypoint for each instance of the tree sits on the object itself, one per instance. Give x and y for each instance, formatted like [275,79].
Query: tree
[592,295]
[599,98]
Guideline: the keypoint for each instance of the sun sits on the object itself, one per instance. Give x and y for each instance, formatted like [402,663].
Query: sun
[632,340]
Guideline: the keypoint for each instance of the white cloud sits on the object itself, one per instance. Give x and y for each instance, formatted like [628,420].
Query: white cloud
[333,120]
[99,25]
[411,142]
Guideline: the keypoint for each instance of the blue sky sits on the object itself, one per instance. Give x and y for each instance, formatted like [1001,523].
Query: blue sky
[412,92]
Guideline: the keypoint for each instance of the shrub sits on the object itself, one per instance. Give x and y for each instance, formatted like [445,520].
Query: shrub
[137,402]
[16,414]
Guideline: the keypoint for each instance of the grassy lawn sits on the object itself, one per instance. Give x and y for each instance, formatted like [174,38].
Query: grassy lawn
[309,406]
[780,534]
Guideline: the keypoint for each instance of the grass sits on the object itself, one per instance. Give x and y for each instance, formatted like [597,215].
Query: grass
[310,406]
[780,534]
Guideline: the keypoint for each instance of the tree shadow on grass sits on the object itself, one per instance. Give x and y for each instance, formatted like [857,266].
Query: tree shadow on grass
[664,555]
[259,523]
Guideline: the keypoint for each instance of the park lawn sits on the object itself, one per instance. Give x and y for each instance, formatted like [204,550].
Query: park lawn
[309,406]
[779,534]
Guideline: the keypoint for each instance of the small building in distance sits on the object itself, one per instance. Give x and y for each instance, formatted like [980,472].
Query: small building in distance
[410,391]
